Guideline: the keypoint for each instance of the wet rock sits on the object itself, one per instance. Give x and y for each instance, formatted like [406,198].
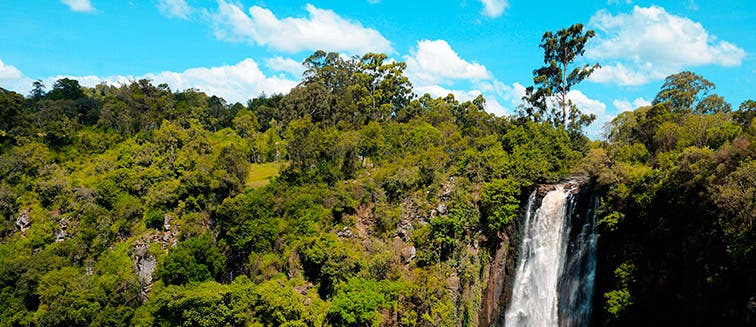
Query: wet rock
[144,267]
[404,230]
[495,281]
[345,233]
[60,235]
[23,221]
[167,222]
[442,209]
[408,254]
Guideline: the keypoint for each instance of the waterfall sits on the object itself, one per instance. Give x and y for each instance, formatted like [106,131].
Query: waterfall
[553,285]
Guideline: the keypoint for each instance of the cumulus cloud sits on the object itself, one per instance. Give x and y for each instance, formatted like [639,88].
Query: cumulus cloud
[586,104]
[235,83]
[79,5]
[436,62]
[238,82]
[440,91]
[435,68]
[591,106]
[625,105]
[174,8]
[11,78]
[494,8]
[323,29]
[8,72]
[639,74]
[511,94]
[287,65]
[650,43]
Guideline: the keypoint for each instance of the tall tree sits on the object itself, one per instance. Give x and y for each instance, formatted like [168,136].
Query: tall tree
[38,90]
[547,99]
[66,89]
[683,91]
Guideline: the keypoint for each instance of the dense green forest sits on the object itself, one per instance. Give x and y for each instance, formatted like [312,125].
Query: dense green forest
[352,201]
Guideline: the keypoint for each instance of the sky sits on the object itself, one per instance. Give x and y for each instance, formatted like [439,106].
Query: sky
[241,49]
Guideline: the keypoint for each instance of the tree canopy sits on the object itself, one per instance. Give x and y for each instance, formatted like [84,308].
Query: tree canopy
[548,99]
[351,201]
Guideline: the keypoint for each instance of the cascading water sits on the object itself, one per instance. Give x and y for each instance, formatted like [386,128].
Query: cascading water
[553,285]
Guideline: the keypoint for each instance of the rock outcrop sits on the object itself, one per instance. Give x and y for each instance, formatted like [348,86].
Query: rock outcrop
[23,221]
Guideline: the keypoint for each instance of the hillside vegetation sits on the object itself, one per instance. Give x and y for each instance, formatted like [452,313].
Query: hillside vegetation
[351,201]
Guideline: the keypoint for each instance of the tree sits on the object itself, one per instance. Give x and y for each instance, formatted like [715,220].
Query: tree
[66,89]
[387,87]
[684,91]
[11,107]
[548,97]
[194,260]
[745,114]
[713,104]
[38,90]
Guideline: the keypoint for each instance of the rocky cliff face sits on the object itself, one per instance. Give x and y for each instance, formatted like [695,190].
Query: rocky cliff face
[497,280]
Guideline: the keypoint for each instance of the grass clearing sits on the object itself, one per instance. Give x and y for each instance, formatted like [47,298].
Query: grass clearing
[259,175]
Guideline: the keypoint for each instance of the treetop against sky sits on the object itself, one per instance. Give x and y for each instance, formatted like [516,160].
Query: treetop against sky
[240,49]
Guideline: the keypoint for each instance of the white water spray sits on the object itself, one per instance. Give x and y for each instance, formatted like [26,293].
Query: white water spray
[553,285]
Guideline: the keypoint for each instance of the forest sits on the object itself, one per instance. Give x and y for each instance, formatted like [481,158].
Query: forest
[352,201]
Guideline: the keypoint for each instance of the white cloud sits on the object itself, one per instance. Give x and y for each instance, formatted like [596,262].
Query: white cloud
[590,106]
[440,91]
[174,8]
[622,105]
[620,74]
[288,65]
[11,78]
[435,68]
[324,29]
[641,102]
[650,43]
[512,94]
[625,105]
[494,8]
[436,62]
[235,83]
[79,5]
[586,104]
[493,106]
[8,72]
[238,82]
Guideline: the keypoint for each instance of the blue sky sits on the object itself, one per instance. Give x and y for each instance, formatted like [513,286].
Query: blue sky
[239,49]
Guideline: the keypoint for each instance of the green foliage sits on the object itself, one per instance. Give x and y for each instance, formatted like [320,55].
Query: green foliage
[357,302]
[684,91]
[547,101]
[675,201]
[154,219]
[349,201]
[617,302]
[620,301]
[500,202]
[196,259]
[205,304]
